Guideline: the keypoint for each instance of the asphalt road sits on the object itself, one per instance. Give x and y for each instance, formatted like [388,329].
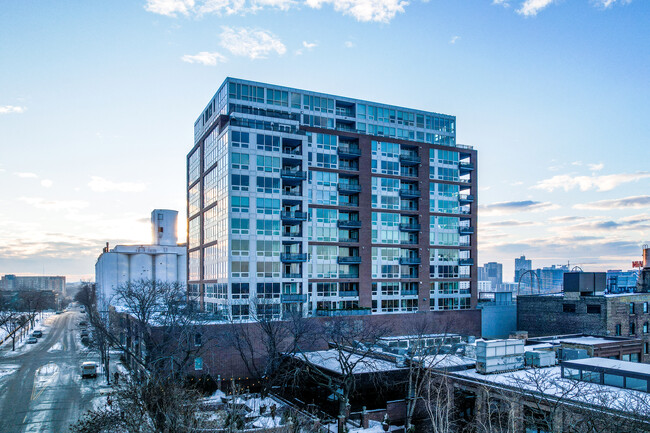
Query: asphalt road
[41,389]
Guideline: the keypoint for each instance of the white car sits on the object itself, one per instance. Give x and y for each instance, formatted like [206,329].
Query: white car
[89,369]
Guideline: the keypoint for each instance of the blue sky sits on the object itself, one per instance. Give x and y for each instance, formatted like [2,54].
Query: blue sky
[98,100]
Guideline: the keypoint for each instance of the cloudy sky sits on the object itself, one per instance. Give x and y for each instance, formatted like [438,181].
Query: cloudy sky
[98,99]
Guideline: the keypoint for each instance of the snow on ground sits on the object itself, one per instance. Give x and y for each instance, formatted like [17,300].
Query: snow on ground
[374,427]
[58,346]
[43,325]
[6,370]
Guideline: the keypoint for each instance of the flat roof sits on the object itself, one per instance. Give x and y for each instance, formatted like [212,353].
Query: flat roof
[329,360]
[614,364]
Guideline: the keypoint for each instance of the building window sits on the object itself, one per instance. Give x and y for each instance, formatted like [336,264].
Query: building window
[631,307]
[618,329]
[593,309]
[645,328]
[198,363]
[645,307]
[569,308]
[197,339]
[646,348]
[632,328]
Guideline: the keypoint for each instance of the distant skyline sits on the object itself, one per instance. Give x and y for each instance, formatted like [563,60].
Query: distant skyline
[98,100]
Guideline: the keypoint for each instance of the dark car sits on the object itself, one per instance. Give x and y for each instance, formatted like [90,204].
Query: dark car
[37,334]
[32,340]
[83,323]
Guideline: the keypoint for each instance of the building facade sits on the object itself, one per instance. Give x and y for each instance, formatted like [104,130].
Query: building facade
[327,205]
[16,282]
[522,265]
[164,260]
[492,272]
[622,281]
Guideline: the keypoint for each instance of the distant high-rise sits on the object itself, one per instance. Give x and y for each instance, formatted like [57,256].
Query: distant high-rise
[492,272]
[307,202]
[522,265]
[17,282]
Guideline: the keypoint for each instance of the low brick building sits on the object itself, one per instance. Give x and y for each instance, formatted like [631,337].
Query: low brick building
[596,314]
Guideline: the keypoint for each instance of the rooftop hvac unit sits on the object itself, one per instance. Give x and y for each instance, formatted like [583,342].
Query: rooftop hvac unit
[540,358]
[497,356]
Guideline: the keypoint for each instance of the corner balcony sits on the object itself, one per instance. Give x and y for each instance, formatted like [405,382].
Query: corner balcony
[293,217]
[293,297]
[466,262]
[293,258]
[293,175]
[348,224]
[466,166]
[348,152]
[466,199]
[466,230]
[410,193]
[410,260]
[409,159]
[409,227]
[349,188]
[348,260]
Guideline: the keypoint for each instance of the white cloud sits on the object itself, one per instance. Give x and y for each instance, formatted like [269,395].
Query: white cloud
[204,58]
[9,109]
[26,175]
[170,7]
[54,205]
[596,167]
[454,39]
[364,10]
[634,202]
[306,45]
[532,7]
[503,3]
[47,183]
[510,207]
[251,43]
[99,184]
[605,4]
[585,183]
[349,44]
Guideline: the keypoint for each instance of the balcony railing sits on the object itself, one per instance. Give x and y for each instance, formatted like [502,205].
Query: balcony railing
[410,193]
[406,173]
[469,166]
[348,293]
[409,292]
[292,234]
[292,275]
[409,208]
[409,242]
[292,193]
[349,224]
[348,312]
[293,258]
[409,227]
[349,260]
[293,297]
[349,275]
[349,188]
[410,275]
[410,260]
[349,167]
[409,159]
[466,198]
[352,240]
[293,174]
[345,128]
[344,112]
[466,230]
[294,216]
[348,152]
[466,262]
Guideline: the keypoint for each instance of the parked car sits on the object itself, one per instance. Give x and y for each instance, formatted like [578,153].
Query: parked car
[37,334]
[89,369]
[84,333]
[83,323]
[58,312]
[32,340]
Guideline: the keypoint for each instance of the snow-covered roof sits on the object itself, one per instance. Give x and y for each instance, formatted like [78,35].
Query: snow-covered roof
[586,340]
[329,360]
[447,361]
[615,364]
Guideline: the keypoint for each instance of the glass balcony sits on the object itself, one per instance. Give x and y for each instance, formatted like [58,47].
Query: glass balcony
[466,166]
[293,216]
[293,258]
[466,230]
[293,297]
[348,293]
[293,175]
[466,262]
[409,227]
[349,188]
[409,193]
[409,292]
[343,165]
[348,152]
[465,198]
[348,260]
[410,260]
[348,312]
[409,208]
[292,275]
[349,275]
[352,240]
[409,159]
[348,224]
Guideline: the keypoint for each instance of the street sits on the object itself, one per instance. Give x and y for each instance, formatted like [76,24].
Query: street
[41,389]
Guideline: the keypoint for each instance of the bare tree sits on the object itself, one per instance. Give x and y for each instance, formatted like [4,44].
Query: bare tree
[10,322]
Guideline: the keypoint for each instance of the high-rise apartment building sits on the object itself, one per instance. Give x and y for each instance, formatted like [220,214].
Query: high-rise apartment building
[521,266]
[492,272]
[327,205]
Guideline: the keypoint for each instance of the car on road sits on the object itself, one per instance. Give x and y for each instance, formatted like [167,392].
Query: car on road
[84,333]
[37,334]
[89,369]
[83,323]
[32,340]
[58,312]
